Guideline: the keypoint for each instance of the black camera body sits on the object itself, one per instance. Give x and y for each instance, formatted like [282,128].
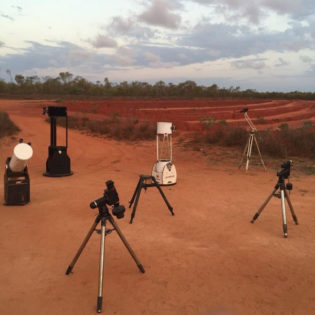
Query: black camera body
[285,170]
[110,198]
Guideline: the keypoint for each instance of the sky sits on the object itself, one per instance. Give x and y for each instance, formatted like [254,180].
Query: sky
[265,45]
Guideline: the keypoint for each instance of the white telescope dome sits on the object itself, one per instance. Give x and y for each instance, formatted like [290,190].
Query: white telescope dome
[22,152]
[164,128]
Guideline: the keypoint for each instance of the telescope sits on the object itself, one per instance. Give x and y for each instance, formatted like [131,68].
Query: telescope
[251,139]
[58,161]
[163,169]
[16,177]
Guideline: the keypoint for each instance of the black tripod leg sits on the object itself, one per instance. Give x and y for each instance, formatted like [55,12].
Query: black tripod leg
[291,207]
[135,193]
[127,245]
[259,211]
[284,218]
[162,194]
[133,213]
[77,255]
[101,267]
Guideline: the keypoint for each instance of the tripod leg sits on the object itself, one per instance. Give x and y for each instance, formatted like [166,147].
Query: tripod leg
[284,218]
[261,159]
[291,207]
[249,151]
[259,211]
[243,154]
[162,194]
[135,193]
[101,267]
[138,192]
[77,255]
[131,252]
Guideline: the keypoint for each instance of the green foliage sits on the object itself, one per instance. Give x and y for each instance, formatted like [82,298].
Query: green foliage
[207,122]
[284,127]
[68,84]
[222,122]
[261,120]
[7,126]
[307,124]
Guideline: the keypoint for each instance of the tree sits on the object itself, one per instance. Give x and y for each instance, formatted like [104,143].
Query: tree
[65,77]
[20,80]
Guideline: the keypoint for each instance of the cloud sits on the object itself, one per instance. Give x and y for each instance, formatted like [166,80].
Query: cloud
[129,27]
[5,16]
[256,10]
[159,14]
[102,41]
[122,25]
[238,41]
[256,64]
[18,8]
[63,55]
[281,63]
[306,59]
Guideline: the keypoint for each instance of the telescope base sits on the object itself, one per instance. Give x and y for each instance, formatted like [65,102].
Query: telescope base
[164,172]
[16,187]
[57,175]
[58,162]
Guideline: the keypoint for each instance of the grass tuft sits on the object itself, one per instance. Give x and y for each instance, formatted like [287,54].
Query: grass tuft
[7,126]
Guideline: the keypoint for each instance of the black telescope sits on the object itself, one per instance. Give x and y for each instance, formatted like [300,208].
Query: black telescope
[58,162]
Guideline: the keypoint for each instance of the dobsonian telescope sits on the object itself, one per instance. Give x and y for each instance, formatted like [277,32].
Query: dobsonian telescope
[58,162]
[16,177]
[110,198]
[283,174]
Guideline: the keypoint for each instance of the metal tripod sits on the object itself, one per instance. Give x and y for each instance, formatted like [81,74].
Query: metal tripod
[144,184]
[102,217]
[248,150]
[249,144]
[283,195]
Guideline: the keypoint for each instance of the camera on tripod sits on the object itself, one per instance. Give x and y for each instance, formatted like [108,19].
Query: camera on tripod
[110,198]
[285,170]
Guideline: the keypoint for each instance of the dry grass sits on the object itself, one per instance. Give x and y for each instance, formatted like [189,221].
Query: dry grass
[7,126]
[114,127]
[281,143]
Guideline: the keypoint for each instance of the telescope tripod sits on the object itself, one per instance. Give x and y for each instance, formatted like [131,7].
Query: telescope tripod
[282,195]
[248,150]
[144,184]
[102,217]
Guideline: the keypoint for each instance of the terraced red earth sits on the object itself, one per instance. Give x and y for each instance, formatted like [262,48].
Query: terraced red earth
[207,259]
[186,114]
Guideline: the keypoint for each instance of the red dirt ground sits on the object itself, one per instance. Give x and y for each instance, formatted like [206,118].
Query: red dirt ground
[186,114]
[207,259]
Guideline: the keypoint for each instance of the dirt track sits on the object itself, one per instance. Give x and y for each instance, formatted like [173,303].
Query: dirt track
[207,259]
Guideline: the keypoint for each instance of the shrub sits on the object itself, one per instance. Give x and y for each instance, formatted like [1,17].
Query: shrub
[7,126]
[281,143]
[261,120]
[114,127]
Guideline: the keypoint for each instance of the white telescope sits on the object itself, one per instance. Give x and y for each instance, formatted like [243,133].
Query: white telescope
[22,152]
[16,177]
[164,170]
